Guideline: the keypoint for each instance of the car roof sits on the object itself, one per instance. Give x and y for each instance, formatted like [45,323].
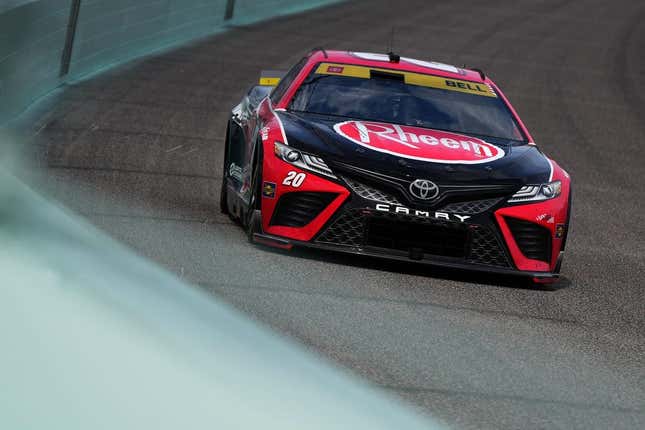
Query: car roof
[405,64]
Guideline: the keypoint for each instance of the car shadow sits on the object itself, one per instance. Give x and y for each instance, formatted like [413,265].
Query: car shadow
[420,269]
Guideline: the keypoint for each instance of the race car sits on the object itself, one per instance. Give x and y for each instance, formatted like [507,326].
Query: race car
[394,157]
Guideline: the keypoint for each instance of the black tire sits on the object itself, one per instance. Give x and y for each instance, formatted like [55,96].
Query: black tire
[223,203]
[255,225]
[223,193]
[250,217]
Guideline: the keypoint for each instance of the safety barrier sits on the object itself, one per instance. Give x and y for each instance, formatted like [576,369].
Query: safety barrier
[44,43]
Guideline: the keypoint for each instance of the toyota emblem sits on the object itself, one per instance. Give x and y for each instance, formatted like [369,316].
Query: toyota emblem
[424,189]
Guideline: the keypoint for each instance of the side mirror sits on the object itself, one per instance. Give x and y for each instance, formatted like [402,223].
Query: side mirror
[257,93]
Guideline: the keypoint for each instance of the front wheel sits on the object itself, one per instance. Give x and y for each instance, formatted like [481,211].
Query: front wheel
[223,202]
[255,225]
[253,216]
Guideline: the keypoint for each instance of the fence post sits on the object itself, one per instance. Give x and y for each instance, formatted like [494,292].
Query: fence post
[230,8]
[69,39]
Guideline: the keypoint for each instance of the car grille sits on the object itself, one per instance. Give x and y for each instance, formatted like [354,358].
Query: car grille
[533,240]
[370,193]
[297,209]
[465,207]
[471,243]
[472,207]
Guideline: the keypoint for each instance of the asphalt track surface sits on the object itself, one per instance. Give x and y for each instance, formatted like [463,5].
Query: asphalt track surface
[138,151]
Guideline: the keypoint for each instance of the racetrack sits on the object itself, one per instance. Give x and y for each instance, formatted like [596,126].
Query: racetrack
[138,151]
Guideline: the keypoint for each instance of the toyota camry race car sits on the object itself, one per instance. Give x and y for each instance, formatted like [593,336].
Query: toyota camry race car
[394,157]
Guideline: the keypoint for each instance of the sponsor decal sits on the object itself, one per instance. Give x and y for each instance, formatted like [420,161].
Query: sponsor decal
[235,172]
[268,190]
[549,219]
[335,69]
[264,133]
[270,117]
[419,143]
[269,82]
[411,78]
[270,77]
[471,86]
[294,179]
[559,231]
[382,207]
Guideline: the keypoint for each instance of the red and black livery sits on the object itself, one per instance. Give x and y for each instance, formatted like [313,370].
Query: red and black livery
[398,158]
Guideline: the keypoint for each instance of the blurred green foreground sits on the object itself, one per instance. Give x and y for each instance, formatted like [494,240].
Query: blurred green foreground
[95,337]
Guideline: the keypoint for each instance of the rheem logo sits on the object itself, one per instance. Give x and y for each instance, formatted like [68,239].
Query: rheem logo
[419,143]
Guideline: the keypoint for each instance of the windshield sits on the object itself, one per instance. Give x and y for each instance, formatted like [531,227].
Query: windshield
[406,98]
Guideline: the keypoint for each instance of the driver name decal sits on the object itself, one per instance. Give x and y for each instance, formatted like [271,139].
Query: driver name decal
[419,143]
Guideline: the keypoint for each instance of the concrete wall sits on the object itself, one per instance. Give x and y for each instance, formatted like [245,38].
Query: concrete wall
[112,30]
[247,11]
[33,36]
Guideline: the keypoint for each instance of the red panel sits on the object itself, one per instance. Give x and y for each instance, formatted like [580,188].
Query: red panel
[548,214]
[275,170]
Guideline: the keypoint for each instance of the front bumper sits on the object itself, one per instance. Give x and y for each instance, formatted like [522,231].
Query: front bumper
[473,233]
[415,237]
[478,244]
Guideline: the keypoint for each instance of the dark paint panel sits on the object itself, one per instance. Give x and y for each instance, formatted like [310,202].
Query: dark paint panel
[315,134]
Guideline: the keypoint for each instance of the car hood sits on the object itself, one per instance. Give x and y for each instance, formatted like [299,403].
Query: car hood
[413,152]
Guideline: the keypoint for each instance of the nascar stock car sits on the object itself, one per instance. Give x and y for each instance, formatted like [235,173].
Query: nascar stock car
[393,157]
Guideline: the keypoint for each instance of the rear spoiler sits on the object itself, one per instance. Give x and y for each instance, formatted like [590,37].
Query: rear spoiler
[271,78]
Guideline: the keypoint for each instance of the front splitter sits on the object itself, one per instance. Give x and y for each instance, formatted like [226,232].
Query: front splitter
[283,243]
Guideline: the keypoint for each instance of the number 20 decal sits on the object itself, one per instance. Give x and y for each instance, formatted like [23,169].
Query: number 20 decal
[294,179]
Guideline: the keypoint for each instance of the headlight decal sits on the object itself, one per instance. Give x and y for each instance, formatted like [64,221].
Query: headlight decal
[302,160]
[537,193]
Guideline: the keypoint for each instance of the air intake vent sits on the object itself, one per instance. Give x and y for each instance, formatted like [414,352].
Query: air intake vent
[533,240]
[298,209]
